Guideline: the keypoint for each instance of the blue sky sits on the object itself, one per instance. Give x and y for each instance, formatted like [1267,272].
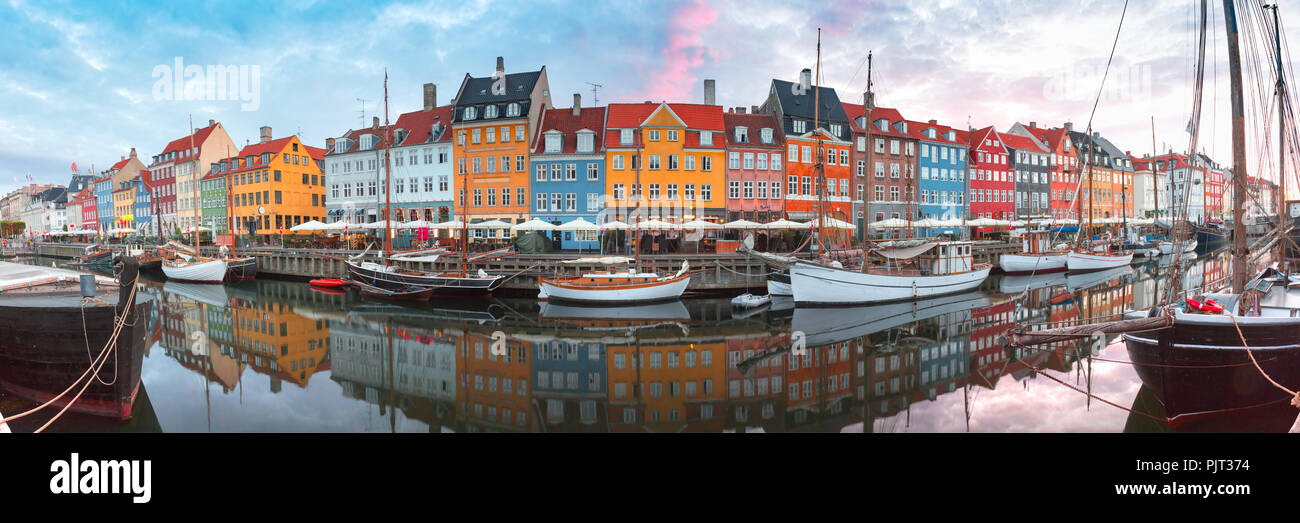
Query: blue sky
[76,78]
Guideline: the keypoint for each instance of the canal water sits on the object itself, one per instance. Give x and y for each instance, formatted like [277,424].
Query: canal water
[279,356]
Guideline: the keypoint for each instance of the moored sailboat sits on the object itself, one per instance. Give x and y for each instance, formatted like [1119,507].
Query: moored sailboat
[939,268]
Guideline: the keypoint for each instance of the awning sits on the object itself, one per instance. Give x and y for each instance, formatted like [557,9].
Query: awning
[906,252]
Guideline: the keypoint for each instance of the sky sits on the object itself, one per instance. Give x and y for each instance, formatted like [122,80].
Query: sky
[84,81]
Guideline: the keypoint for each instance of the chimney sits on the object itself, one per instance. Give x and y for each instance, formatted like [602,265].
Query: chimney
[753,109]
[1069,126]
[710,92]
[430,96]
[266,134]
[211,122]
[577,104]
[1096,135]
[501,65]
[731,110]
[805,79]
[133,153]
[123,157]
[740,110]
[374,122]
[329,145]
[1033,125]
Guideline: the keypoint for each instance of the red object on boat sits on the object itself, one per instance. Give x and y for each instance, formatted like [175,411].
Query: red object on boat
[328,282]
[1210,306]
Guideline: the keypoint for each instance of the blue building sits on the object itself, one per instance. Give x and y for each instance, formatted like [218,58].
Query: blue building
[569,384]
[143,206]
[942,175]
[569,172]
[104,202]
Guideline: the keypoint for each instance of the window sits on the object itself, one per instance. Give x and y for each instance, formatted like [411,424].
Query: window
[556,201]
[762,162]
[749,161]
[776,161]
[618,162]
[733,190]
[556,172]
[672,162]
[654,191]
[491,131]
[706,164]
[706,138]
[733,160]
[625,137]
[806,157]
[593,171]
[618,191]
[706,191]
[799,126]
[689,195]
[672,135]
[570,171]
[541,201]
[749,189]
[654,135]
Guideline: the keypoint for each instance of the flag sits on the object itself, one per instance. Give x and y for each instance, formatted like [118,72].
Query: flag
[74,167]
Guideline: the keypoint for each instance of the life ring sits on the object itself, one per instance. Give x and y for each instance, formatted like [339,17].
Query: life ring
[1209,306]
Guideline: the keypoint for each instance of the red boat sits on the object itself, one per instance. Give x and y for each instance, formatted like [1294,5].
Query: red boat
[328,282]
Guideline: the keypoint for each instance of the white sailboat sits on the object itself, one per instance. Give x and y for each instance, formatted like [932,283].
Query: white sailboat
[941,268]
[1036,256]
[195,268]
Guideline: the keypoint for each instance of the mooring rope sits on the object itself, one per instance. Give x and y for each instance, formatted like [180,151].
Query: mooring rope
[1157,365]
[1093,396]
[1295,396]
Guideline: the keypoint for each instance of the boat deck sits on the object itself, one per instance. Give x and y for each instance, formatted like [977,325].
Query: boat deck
[17,277]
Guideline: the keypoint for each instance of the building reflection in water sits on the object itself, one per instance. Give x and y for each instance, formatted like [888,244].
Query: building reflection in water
[686,366]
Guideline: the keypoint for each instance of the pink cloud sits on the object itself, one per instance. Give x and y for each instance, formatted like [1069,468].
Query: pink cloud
[685,51]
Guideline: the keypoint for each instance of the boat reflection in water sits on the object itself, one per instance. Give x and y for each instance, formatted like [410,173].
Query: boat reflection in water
[259,348]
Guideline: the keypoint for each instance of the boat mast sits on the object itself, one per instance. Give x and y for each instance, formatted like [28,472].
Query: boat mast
[870,101]
[1281,131]
[820,160]
[388,177]
[230,210]
[194,204]
[1155,182]
[636,227]
[1239,249]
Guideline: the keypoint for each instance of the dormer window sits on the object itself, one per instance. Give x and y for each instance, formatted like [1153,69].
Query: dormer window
[742,134]
[470,113]
[367,141]
[882,124]
[706,138]
[930,133]
[766,135]
[625,137]
[586,140]
[952,136]
[490,111]
[836,128]
[512,110]
[553,141]
[799,126]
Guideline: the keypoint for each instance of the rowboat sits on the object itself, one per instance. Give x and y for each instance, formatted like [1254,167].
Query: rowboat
[1167,247]
[616,287]
[241,268]
[748,300]
[410,293]
[327,282]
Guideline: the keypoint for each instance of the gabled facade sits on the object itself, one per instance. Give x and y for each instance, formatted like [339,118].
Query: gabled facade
[355,165]
[798,106]
[1146,179]
[676,151]
[423,159]
[1107,178]
[755,171]
[492,122]
[992,186]
[124,205]
[1030,163]
[1063,166]
[104,203]
[891,165]
[275,185]
[172,185]
[568,162]
[942,169]
[143,209]
[214,199]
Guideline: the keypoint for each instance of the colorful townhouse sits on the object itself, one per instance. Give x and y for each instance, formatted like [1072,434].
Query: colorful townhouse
[90,209]
[568,162]
[1063,166]
[755,172]
[355,165]
[1121,180]
[942,169]
[1029,163]
[665,161]
[1146,179]
[72,210]
[756,398]
[1096,177]
[214,198]
[104,203]
[275,184]
[180,165]
[124,205]
[1213,188]
[795,105]
[992,187]
[143,211]
[493,119]
[892,162]
[422,162]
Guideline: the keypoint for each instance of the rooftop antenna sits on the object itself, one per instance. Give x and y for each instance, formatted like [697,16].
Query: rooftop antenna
[363,111]
[594,99]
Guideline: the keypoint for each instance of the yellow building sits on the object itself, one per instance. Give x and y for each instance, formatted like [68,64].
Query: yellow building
[275,185]
[676,151]
[124,206]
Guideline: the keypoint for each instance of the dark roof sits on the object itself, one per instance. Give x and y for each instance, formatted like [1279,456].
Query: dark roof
[478,92]
[801,106]
[1103,148]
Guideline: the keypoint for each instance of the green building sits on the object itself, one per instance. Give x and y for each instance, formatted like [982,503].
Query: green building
[213,193]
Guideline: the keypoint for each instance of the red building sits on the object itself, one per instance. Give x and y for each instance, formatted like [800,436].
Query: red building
[803,186]
[1063,168]
[992,186]
[890,164]
[755,172]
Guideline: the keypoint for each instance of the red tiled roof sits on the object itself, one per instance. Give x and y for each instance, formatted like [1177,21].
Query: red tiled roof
[753,122]
[420,124]
[891,115]
[695,116]
[183,143]
[917,130]
[563,120]
[354,138]
[273,147]
[1016,141]
[1052,137]
[120,164]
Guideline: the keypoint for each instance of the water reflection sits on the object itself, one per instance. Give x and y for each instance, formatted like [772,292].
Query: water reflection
[331,361]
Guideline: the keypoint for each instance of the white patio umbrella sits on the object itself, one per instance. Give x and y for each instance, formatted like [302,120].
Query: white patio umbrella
[312,225]
[452,224]
[382,224]
[701,225]
[416,224]
[891,223]
[614,226]
[187,230]
[535,224]
[783,224]
[742,225]
[982,222]
[490,224]
[832,223]
[657,225]
[578,225]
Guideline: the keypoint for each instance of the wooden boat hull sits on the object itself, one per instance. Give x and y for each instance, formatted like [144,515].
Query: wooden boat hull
[1201,374]
[104,257]
[1168,247]
[328,282]
[211,271]
[43,351]
[1032,263]
[241,268]
[641,292]
[818,285]
[470,285]
[411,293]
[1088,262]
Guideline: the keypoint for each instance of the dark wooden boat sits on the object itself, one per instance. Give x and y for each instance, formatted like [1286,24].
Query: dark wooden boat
[241,268]
[451,283]
[410,293]
[99,257]
[43,349]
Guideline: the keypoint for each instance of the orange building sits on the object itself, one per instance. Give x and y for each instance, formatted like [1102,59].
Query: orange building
[676,151]
[275,185]
[493,390]
[803,188]
[493,121]
[666,387]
